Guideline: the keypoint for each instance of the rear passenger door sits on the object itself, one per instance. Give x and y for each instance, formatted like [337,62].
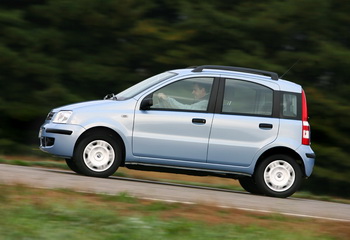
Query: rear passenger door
[243,124]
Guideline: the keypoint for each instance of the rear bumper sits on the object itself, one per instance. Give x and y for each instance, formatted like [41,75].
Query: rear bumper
[308,156]
[59,139]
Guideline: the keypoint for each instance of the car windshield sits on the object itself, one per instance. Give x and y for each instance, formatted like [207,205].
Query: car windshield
[145,84]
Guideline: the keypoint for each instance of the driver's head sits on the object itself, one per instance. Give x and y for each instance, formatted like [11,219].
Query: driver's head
[199,91]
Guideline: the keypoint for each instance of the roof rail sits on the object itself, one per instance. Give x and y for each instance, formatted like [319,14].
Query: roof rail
[273,75]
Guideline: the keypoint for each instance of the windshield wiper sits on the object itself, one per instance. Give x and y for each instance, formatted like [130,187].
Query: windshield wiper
[110,96]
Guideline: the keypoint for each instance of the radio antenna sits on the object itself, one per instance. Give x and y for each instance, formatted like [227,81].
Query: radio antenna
[290,68]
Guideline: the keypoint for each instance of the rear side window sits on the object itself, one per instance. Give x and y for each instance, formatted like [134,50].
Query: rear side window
[290,105]
[246,98]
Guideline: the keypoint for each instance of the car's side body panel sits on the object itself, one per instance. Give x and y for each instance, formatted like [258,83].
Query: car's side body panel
[235,140]
[171,135]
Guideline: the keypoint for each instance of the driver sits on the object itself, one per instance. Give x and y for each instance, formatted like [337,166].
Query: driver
[200,94]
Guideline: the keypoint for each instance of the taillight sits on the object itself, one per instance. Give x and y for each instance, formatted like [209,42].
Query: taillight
[304,117]
[306,133]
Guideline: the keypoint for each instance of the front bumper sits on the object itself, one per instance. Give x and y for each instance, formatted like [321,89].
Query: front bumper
[59,139]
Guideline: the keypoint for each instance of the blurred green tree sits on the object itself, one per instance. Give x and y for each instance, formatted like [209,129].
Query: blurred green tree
[55,52]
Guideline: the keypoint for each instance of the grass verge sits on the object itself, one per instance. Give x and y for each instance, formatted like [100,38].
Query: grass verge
[28,213]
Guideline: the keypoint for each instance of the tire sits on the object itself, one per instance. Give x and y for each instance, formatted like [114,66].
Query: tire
[249,185]
[278,176]
[71,164]
[98,155]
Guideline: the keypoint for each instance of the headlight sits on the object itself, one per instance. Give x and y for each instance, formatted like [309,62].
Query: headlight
[62,117]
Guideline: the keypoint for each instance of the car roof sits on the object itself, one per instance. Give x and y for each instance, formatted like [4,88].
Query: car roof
[284,85]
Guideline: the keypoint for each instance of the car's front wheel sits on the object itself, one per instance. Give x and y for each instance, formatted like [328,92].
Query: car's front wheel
[278,176]
[98,155]
[71,164]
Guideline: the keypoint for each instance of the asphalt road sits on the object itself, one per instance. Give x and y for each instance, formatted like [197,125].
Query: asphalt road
[48,178]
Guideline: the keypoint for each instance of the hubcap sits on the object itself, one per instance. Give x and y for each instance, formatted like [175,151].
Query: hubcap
[279,175]
[98,155]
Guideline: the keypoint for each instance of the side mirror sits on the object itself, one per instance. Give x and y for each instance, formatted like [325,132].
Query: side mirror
[146,104]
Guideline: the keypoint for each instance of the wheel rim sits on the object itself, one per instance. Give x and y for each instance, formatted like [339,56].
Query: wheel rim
[279,175]
[98,155]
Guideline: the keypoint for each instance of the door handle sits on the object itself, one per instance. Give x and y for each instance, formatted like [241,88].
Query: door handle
[265,126]
[199,120]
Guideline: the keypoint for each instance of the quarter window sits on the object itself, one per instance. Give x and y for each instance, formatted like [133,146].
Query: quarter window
[290,105]
[246,98]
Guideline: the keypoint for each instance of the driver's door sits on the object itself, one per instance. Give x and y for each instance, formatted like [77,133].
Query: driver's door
[176,129]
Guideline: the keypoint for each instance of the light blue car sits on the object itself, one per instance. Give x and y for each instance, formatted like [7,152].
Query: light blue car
[240,123]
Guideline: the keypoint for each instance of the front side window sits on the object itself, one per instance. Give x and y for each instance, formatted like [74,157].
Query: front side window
[189,94]
[246,98]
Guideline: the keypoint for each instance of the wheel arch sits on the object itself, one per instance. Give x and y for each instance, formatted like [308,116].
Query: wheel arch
[105,130]
[285,151]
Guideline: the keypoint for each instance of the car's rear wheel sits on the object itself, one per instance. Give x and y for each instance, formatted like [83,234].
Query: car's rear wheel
[249,185]
[98,155]
[278,176]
